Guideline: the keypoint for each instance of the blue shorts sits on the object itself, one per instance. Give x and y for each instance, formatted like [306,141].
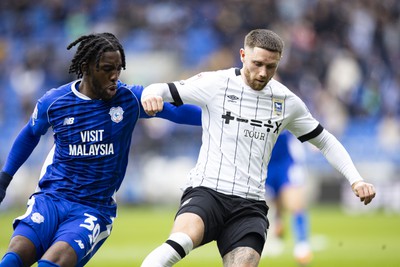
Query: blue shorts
[277,177]
[49,219]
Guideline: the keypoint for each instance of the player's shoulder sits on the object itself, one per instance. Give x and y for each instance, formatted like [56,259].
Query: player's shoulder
[280,90]
[133,90]
[226,73]
[215,75]
[57,92]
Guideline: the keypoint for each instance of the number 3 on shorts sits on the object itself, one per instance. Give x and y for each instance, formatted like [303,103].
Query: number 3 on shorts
[91,226]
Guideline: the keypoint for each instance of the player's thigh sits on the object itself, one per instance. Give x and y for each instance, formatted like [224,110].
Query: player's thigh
[247,227]
[200,216]
[190,224]
[39,223]
[84,231]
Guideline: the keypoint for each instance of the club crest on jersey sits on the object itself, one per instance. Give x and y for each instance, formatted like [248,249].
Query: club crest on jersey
[278,106]
[117,114]
[37,218]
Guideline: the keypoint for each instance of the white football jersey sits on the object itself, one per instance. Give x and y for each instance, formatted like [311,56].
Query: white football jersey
[240,128]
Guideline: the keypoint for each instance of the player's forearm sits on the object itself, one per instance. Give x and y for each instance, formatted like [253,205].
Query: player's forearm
[22,148]
[337,156]
[158,89]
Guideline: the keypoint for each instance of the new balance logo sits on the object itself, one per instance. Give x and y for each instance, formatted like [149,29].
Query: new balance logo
[69,121]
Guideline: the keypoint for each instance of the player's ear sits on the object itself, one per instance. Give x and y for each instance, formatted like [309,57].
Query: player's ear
[242,54]
[85,68]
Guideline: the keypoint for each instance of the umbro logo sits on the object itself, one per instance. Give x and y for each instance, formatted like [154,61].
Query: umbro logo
[232,98]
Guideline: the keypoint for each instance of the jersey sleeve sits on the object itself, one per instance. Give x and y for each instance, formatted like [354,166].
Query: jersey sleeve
[29,137]
[184,114]
[301,123]
[21,149]
[198,89]
[39,121]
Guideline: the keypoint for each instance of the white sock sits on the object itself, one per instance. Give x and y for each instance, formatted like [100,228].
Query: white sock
[173,250]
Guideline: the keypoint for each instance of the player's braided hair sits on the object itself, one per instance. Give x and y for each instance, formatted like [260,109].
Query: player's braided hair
[91,47]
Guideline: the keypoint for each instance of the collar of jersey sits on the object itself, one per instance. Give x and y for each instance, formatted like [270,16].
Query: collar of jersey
[76,92]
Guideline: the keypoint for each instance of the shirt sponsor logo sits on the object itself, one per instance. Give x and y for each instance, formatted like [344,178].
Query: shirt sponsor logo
[117,114]
[269,125]
[96,149]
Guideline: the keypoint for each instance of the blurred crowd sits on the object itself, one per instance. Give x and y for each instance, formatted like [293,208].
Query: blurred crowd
[342,57]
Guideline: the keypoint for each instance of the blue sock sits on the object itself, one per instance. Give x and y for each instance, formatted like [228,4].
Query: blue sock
[300,226]
[11,259]
[46,263]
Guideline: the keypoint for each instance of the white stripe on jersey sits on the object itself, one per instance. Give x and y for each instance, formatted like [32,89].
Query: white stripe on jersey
[240,128]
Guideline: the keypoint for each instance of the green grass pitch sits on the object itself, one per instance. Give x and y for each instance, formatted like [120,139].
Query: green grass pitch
[367,240]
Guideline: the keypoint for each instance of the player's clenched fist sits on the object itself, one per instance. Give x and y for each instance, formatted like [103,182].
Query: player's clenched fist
[365,191]
[152,104]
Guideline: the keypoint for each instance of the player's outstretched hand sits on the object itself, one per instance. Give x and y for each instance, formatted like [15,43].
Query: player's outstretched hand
[5,180]
[152,104]
[365,191]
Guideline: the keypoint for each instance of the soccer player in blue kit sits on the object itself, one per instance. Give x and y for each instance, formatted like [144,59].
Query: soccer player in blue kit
[285,186]
[72,211]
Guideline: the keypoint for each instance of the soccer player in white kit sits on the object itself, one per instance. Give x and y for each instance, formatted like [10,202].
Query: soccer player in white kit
[243,112]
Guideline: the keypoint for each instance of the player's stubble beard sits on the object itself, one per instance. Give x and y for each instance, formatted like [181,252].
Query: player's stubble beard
[98,89]
[255,84]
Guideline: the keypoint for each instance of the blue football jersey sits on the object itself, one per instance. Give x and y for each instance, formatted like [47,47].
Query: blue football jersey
[92,142]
